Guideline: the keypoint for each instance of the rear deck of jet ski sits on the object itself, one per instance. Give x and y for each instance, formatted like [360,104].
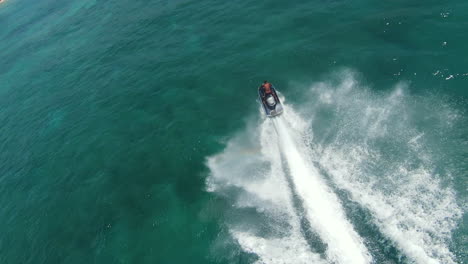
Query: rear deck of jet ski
[271,103]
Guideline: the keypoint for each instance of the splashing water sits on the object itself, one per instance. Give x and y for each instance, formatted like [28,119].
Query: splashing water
[365,144]
[268,192]
[253,177]
[386,160]
[322,206]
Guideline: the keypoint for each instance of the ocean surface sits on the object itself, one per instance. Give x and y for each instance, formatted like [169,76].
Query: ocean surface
[130,132]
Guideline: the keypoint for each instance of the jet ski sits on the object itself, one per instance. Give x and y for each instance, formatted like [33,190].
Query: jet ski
[270,102]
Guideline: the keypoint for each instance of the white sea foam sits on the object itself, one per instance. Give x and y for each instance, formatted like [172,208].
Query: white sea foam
[289,249]
[323,209]
[267,191]
[417,214]
[254,171]
[405,197]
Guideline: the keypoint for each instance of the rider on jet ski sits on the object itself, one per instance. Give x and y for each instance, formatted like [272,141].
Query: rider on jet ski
[266,89]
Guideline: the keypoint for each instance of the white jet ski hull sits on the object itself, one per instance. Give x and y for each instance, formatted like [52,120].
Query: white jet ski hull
[271,110]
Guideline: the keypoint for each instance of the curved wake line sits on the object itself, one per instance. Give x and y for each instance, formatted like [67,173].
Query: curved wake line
[397,217]
[323,209]
[258,181]
[378,151]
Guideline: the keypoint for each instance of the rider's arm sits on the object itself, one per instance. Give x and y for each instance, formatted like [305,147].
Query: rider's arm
[262,91]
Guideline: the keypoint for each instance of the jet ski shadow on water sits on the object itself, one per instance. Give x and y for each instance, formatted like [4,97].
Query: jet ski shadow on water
[270,102]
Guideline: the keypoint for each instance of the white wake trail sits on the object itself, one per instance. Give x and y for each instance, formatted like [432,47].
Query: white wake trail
[252,175]
[322,206]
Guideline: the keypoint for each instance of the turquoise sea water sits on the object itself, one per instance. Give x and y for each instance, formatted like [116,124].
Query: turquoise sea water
[130,131]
